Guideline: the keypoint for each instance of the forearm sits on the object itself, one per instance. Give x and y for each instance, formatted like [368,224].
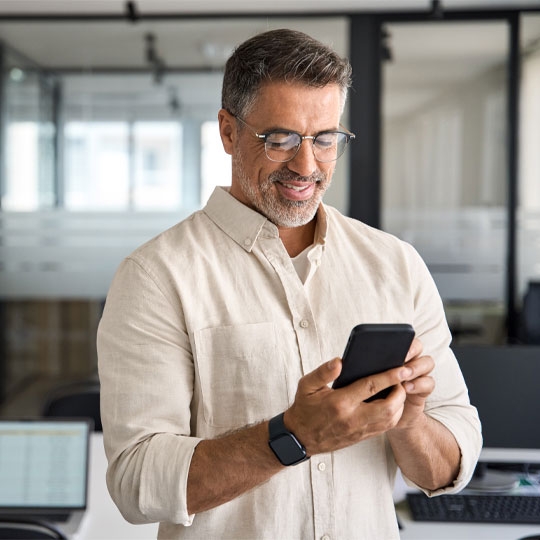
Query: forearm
[224,468]
[427,453]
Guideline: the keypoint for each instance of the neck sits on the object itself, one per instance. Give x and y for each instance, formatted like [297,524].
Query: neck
[296,239]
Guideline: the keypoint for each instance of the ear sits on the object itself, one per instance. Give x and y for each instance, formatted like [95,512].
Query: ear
[227,130]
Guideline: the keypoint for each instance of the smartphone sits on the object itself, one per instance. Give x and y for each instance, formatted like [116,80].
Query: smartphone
[373,348]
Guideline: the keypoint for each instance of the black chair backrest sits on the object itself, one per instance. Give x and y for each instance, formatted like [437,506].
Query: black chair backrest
[23,529]
[78,400]
[531,314]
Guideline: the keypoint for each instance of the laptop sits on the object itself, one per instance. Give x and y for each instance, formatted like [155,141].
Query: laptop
[44,470]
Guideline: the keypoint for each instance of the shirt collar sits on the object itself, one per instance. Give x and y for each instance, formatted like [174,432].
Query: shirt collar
[244,225]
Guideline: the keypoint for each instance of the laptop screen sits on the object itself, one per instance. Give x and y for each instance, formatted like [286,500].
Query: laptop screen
[43,463]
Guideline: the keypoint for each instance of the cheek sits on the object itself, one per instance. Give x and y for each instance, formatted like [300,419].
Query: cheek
[251,158]
[328,170]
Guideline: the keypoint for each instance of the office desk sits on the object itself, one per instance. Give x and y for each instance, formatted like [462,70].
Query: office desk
[421,530]
[103,521]
[416,530]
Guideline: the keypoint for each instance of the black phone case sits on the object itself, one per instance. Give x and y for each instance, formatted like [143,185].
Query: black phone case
[373,348]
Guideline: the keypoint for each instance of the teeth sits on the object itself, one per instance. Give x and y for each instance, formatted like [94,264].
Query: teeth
[295,188]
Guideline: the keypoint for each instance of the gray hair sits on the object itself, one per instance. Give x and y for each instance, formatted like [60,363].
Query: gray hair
[280,55]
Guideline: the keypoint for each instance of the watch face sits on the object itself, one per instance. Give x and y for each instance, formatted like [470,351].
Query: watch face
[287,449]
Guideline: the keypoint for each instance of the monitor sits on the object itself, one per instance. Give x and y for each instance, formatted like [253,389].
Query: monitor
[504,385]
[43,465]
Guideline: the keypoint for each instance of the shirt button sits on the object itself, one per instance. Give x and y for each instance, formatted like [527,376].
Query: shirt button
[321,467]
[325,537]
[304,323]
[247,242]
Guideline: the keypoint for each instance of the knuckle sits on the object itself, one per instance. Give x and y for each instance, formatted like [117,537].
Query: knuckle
[372,387]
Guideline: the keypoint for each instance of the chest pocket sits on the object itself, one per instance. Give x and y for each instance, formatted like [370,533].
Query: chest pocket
[241,374]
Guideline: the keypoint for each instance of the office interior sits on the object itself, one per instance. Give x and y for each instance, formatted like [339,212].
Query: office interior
[108,135]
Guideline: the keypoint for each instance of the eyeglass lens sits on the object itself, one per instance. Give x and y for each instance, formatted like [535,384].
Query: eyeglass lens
[327,146]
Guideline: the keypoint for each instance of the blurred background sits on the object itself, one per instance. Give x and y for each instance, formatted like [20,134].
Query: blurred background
[108,135]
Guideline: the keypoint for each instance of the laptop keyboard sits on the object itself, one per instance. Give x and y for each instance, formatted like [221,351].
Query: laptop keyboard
[475,508]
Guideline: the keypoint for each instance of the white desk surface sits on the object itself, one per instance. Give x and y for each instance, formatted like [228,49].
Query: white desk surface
[103,521]
[418,530]
[415,530]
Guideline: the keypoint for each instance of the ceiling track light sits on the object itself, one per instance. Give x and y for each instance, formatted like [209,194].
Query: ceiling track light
[386,49]
[152,57]
[132,13]
[437,11]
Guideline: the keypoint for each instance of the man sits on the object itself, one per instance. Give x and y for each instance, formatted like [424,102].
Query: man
[240,313]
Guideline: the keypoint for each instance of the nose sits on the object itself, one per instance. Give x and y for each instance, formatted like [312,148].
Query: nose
[304,163]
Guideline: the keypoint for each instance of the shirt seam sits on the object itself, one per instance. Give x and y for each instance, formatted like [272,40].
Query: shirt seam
[152,277]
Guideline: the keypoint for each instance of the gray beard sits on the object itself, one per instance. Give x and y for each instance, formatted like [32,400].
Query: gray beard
[282,212]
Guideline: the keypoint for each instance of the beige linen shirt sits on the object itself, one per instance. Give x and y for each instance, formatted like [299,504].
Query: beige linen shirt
[208,328]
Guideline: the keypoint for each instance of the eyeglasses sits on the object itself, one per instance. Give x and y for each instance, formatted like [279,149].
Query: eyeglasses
[282,145]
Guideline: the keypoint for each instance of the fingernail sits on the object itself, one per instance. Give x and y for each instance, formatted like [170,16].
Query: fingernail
[331,364]
[409,386]
[405,372]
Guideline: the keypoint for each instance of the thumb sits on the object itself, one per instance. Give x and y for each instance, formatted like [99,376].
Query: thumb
[320,378]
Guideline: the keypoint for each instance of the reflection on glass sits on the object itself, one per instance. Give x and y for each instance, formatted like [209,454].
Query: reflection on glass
[96,166]
[98,172]
[29,166]
[157,157]
[22,165]
[529,182]
[444,163]
[215,163]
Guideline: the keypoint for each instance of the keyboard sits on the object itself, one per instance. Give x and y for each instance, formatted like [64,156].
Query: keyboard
[474,507]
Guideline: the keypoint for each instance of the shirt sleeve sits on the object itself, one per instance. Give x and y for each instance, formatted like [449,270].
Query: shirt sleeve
[146,373]
[449,402]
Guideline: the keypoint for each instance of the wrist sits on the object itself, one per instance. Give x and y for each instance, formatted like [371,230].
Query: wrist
[410,427]
[284,443]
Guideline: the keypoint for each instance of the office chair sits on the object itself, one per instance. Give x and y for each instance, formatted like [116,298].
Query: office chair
[531,314]
[19,529]
[75,400]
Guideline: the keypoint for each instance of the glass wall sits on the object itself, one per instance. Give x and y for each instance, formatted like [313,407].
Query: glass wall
[28,111]
[123,166]
[111,137]
[528,244]
[96,168]
[444,163]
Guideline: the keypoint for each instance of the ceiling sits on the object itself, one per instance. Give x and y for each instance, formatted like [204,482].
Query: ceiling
[119,42]
[241,6]
[425,57]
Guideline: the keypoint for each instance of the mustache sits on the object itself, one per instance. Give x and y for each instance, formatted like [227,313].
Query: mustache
[285,175]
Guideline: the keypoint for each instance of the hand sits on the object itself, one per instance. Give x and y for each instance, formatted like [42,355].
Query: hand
[325,419]
[417,387]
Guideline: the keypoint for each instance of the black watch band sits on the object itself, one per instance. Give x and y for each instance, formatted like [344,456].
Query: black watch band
[287,448]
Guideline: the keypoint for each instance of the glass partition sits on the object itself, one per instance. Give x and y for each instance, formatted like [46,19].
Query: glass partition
[444,163]
[528,244]
[28,108]
[112,137]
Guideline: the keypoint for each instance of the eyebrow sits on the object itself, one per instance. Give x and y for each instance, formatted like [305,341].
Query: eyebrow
[287,130]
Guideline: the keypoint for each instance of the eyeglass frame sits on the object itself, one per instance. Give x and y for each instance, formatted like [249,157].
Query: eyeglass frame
[262,136]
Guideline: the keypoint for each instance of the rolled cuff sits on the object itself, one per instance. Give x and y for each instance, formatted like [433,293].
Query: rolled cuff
[465,428]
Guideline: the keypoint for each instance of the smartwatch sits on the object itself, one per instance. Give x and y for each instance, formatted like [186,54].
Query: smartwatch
[287,448]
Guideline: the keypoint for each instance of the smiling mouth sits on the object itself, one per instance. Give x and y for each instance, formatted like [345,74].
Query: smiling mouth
[295,187]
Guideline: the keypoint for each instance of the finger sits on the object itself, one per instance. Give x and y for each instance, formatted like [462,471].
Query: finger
[420,386]
[420,366]
[320,377]
[415,349]
[369,386]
